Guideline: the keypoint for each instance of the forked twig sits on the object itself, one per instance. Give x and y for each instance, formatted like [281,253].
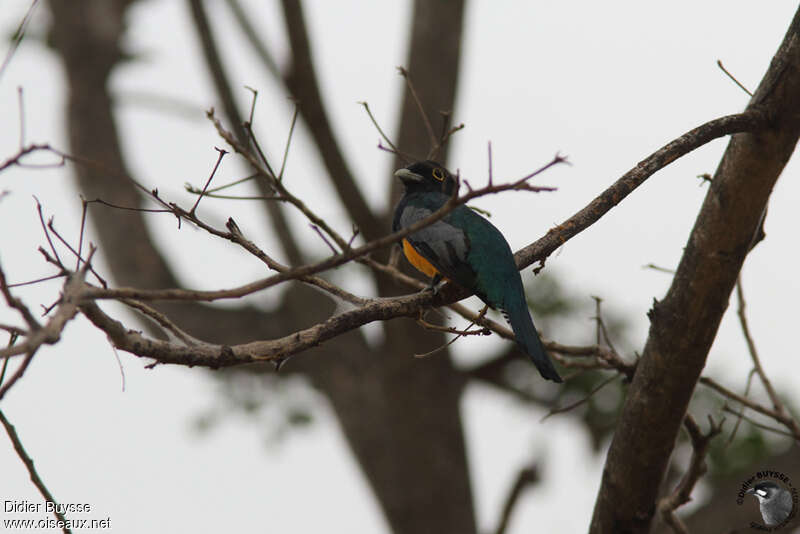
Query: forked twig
[697,468]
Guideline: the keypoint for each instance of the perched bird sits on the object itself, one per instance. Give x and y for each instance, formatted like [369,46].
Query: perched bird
[774,501]
[465,248]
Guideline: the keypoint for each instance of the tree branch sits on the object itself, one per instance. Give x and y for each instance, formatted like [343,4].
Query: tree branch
[777,403]
[526,477]
[685,323]
[751,120]
[449,294]
[35,478]
[217,70]
[697,468]
[302,82]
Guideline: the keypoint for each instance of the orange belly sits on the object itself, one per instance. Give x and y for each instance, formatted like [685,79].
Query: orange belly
[415,259]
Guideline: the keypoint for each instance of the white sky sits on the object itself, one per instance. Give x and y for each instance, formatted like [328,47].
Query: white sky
[605,84]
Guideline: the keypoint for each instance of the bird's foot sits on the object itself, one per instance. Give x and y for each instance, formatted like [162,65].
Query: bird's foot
[433,285]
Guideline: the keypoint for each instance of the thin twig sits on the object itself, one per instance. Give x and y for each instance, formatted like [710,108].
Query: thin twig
[12,338]
[777,403]
[601,326]
[409,306]
[16,39]
[526,477]
[655,267]
[583,400]
[222,153]
[251,137]
[740,415]
[378,127]
[785,420]
[238,237]
[35,478]
[459,333]
[16,303]
[38,280]
[21,102]
[732,77]
[749,121]
[191,189]
[87,263]
[84,207]
[254,36]
[13,330]
[288,143]
[299,272]
[758,424]
[128,208]
[17,374]
[50,332]
[751,347]
[46,233]
[428,127]
[324,239]
[16,159]
[697,468]
[162,320]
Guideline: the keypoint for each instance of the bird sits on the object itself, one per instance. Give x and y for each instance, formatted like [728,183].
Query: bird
[774,501]
[465,248]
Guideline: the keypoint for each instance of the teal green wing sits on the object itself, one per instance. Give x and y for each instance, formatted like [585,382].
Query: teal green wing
[499,284]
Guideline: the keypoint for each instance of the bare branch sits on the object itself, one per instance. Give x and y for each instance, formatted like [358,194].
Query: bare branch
[733,78]
[777,403]
[35,478]
[783,419]
[582,400]
[302,82]
[254,36]
[459,333]
[684,323]
[211,177]
[528,476]
[162,320]
[755,423]
[697,468]
[17,304]
[428,127]
[347,255]
[216,356]
[17,37]
[50,333]
[748,121]
[740,415]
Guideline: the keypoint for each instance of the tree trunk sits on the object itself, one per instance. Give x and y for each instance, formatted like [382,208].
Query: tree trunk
[400,415]
[684,324]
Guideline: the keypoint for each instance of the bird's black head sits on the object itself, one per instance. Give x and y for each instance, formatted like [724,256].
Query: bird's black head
[427,176]
[764,490]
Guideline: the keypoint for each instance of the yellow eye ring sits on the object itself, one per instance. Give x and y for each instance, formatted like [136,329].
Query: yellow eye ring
[438,174]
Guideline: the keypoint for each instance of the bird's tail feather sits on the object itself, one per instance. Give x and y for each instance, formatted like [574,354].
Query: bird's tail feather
[518,316]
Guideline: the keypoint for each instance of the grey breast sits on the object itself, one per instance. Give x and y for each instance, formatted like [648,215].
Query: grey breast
[448,242]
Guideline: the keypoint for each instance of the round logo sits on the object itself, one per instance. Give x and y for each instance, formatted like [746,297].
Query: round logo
[777,499]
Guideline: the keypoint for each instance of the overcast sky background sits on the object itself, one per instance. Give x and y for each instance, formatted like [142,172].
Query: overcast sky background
[605,84]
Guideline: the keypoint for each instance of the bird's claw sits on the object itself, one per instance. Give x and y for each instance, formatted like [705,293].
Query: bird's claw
[433,285]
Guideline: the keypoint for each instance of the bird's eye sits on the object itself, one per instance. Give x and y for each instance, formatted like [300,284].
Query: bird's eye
[438,174]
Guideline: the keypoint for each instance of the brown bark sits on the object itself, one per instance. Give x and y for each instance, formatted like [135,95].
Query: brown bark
[685,322]
[302,83]
[400,415]
[433,64]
